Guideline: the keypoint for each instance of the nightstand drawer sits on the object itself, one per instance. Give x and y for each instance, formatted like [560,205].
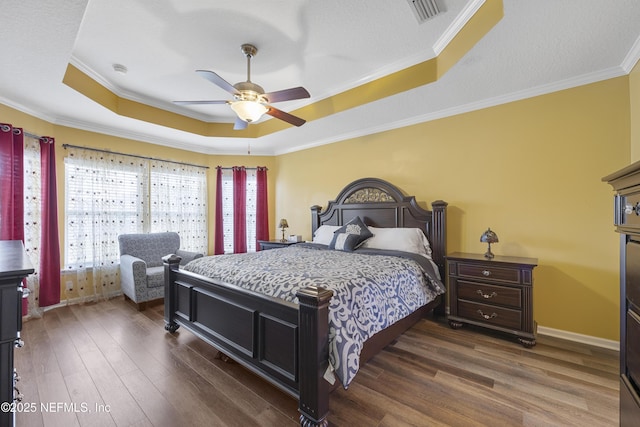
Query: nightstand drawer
[630,210]
[490,294]
[485,313]
[507,275]
[274,244]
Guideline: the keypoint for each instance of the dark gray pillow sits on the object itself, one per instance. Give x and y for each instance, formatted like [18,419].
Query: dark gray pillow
[350,236]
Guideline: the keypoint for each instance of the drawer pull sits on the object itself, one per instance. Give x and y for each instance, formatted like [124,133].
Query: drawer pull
[486,316]
[486,296]
[486,273]
[629,209]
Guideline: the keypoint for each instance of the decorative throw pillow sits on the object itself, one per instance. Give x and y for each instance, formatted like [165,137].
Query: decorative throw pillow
[350,236]
[324,234]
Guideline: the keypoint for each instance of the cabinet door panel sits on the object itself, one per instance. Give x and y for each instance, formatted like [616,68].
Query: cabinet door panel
[633,272]
[633,346]
[9,306]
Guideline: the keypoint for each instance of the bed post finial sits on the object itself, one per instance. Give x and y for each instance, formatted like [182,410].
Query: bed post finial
[313,333]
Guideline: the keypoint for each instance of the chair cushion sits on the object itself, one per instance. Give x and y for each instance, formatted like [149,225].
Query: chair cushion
[155,277]
[149,247]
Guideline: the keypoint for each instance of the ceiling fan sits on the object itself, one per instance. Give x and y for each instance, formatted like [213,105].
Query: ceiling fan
[249,100]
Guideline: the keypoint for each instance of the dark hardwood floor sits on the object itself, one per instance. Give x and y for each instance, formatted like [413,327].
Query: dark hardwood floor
[106,364]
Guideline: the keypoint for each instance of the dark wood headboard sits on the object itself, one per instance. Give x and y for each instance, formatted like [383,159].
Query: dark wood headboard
[381,204]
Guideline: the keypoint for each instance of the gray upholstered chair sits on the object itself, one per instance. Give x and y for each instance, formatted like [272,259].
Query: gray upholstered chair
[141,269]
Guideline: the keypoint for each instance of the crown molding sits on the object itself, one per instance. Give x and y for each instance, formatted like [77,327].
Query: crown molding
[479,105]
[457,25]
[632,57]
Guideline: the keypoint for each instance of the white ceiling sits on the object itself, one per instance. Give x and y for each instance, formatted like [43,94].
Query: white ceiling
[326,46]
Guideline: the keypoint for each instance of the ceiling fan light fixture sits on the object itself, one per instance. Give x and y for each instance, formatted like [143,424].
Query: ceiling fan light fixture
[249,111]
[250,101]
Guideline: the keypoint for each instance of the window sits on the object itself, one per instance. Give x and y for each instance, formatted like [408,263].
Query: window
[178,195]
[228,212]
[110,194]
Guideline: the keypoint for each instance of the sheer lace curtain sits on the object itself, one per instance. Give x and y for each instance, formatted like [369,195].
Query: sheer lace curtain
[178,198]
[37,226]
[106,196]
[32,218]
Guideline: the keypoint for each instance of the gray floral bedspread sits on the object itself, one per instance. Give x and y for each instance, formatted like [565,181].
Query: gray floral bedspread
[372,289]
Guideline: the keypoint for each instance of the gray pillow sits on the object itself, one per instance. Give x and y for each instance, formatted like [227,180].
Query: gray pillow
[350,236]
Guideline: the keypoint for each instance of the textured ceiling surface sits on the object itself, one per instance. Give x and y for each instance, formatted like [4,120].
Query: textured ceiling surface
[328,47]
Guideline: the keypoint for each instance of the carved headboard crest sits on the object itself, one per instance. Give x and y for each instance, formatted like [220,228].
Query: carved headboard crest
[369,195]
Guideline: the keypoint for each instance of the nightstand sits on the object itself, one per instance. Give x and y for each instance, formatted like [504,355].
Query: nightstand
[274,244]
[493,293]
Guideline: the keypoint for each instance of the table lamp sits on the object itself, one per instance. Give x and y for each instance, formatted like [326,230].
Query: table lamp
[489,237]
[283,225]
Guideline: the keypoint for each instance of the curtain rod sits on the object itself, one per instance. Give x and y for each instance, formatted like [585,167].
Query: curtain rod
[29,134]
[251,169]
[65,146]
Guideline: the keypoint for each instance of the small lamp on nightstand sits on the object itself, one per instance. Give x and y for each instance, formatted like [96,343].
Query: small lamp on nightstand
[283,225]
[489,237]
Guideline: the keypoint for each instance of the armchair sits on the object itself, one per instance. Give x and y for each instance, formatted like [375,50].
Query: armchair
[141,269]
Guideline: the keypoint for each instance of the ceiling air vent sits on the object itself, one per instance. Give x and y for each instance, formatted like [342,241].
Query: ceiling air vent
[424,9]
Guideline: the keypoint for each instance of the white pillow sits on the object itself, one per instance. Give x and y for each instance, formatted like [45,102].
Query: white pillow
[324,234]
[399,239]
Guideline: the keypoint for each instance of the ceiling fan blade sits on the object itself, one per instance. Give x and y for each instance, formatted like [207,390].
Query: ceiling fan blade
[240,124]
[199,102]
[289,118]
[287,94]
[219,81]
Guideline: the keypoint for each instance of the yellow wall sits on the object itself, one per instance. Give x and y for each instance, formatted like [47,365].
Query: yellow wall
[531,170]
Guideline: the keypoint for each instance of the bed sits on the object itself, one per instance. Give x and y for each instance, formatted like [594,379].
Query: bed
[290,342]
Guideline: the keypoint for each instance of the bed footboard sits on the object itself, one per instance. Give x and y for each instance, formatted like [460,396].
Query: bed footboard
[285,343]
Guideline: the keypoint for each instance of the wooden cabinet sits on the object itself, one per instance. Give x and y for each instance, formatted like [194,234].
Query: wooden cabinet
[626,214]
[493,293]
[274,244]
[14,266]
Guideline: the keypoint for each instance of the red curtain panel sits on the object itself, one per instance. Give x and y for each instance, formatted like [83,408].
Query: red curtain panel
[49,241]
[262,207]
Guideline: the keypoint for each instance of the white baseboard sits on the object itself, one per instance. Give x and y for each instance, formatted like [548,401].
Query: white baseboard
[584,339]
[575,337]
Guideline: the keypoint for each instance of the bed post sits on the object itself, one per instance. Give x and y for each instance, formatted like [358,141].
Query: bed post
[439,241]
[315,219]
[313,360]
[171,265]
[438,234]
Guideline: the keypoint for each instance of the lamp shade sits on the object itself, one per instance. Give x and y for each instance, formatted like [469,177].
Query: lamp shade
[489,237]
[249,111]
